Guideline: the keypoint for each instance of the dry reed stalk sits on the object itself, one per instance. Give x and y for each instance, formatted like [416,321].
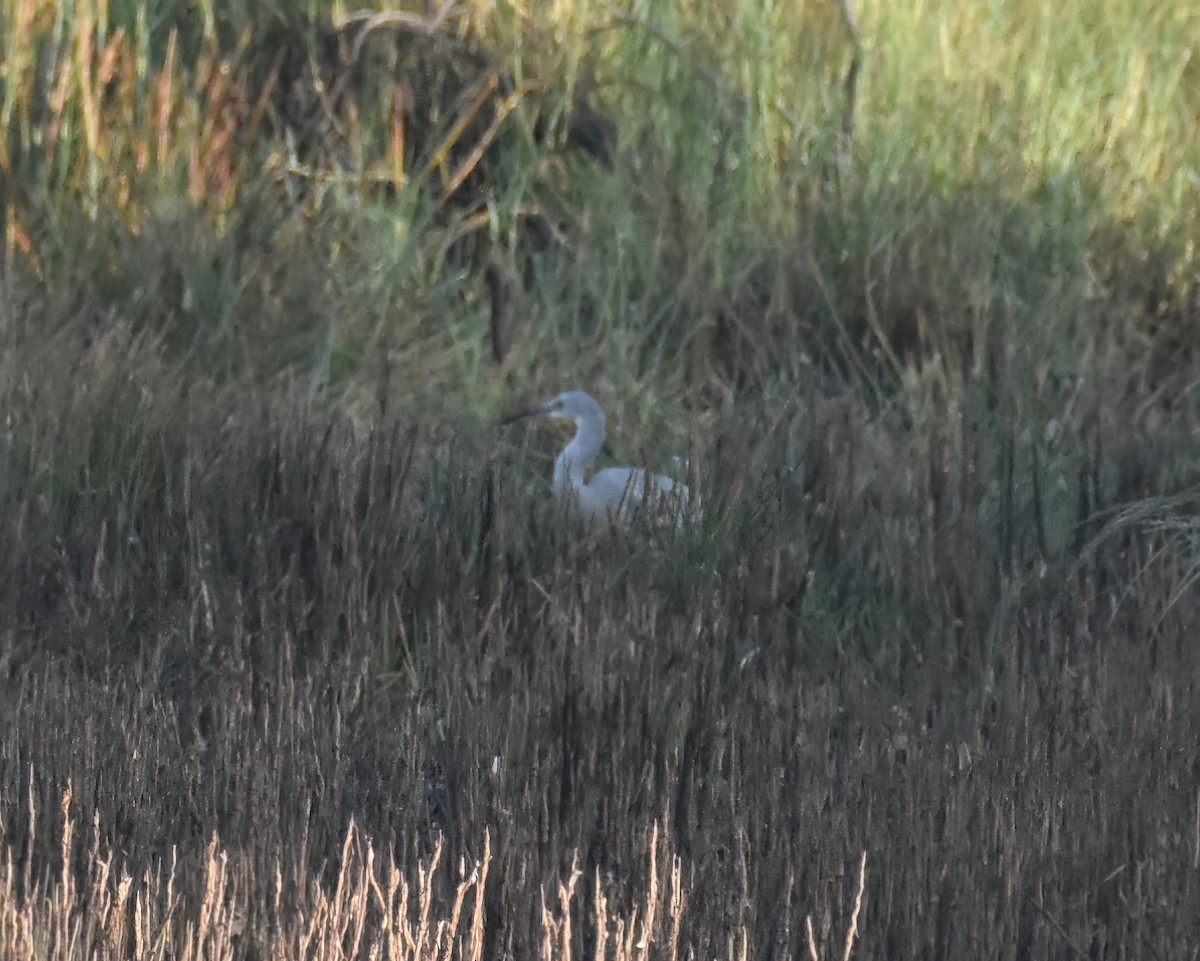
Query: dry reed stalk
[488,87]
[647,938]
[476,939]
[677,903]
[164,98]
[852,931]
[209,937]
[556,937]
[367,914]
[471,161]
[600,907]
[85,44]
[447,929]
[19,59]
[63,900]
[16,927]
[425,878]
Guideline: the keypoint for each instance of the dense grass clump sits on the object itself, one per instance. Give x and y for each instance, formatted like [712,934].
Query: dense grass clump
[297,657]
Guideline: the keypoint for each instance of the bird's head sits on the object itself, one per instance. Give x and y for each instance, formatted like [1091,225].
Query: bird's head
[574,405]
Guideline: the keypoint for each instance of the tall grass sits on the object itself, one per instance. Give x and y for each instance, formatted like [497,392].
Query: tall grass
[372,908]
[913,285]
[231,609]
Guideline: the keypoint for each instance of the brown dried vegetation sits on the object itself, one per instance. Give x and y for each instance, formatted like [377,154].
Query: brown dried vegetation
[243,635]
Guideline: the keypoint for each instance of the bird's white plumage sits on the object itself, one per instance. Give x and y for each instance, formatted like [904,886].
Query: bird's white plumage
[616,493]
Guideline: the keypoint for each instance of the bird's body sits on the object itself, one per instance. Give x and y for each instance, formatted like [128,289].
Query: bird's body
[616,493]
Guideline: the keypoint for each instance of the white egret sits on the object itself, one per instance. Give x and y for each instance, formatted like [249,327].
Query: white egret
[616,493]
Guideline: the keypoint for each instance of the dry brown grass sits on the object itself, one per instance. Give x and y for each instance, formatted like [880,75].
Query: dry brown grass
[373,909]
[252,620]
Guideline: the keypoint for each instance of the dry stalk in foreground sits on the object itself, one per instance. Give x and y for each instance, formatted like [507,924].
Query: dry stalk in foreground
[852,932]
[371,912]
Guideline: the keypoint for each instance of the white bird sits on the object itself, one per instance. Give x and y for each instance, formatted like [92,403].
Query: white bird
[616,493]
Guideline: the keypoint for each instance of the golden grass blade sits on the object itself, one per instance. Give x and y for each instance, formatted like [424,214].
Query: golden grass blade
[471,161]
[488,87]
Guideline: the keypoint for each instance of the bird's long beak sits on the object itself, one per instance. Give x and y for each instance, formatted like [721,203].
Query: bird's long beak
[513,418]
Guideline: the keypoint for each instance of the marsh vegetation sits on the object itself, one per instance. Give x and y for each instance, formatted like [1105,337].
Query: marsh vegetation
[298,658]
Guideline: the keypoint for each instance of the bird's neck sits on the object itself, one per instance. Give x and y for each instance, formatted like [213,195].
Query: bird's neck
[573,464]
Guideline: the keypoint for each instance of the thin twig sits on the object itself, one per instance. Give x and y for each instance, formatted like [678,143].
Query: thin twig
[491,83]
[472,161]
[1055,925]
[853,932]
[373,20]
[812,942]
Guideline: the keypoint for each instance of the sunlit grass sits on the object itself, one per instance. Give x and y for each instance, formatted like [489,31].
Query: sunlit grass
[109,101]
[1021,94]
[342,185]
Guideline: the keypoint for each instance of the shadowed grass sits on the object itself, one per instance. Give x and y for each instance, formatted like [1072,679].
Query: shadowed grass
[254,617]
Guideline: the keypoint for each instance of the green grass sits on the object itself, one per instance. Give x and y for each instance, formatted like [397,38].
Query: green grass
[1055,137]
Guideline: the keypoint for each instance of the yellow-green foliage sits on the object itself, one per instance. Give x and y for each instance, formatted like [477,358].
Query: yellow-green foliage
[100,97]
[1024,92]
[989,163]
